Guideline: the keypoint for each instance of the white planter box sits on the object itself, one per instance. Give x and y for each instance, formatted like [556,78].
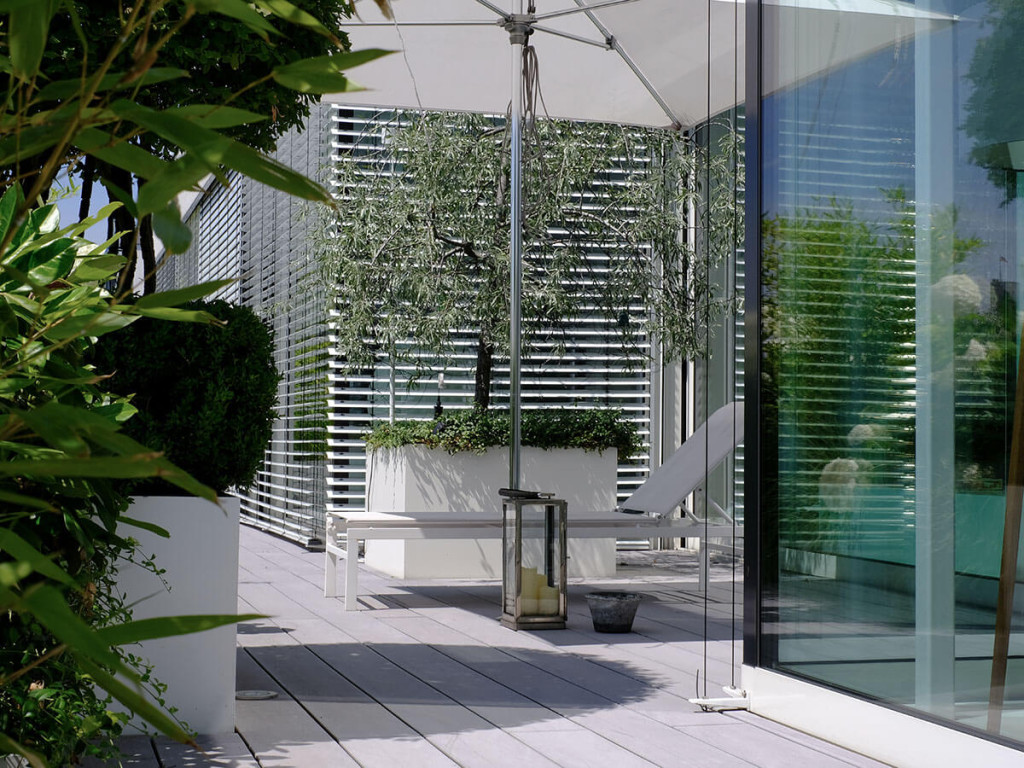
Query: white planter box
[415,479]
[201,563]
[808,563]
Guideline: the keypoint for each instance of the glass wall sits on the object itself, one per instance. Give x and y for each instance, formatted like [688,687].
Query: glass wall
[892,237]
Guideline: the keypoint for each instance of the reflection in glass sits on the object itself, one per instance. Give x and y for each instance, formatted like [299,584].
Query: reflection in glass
[892,238]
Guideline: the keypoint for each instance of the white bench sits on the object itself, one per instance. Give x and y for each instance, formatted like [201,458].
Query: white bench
[652,509]
[360,527]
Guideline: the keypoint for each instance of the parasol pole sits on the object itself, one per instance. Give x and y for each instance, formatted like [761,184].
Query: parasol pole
[518,27]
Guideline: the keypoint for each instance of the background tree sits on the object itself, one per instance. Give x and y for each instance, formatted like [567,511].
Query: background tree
[995,105]
[223,60]
[418,246]
[838,337]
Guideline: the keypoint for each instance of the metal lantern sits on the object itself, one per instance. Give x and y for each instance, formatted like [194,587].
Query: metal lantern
[533,585]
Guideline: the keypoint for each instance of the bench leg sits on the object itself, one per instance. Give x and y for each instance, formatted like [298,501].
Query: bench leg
[352,575]
[330,574]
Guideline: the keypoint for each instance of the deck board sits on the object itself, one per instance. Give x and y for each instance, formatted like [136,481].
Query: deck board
[225,751]
[425,676]
[136,752]
[281,731]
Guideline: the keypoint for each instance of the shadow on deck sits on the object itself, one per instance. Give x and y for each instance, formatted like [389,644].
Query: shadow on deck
[424,675]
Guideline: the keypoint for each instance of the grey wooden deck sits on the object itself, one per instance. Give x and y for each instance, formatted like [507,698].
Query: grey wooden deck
[425,676]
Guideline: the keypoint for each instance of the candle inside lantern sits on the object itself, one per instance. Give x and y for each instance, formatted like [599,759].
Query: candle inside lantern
[531,585]
[547,600]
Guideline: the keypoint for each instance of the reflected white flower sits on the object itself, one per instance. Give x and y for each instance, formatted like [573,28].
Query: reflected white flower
[976,351]
[837,483]
[971,476]
[964,292]
[863,433]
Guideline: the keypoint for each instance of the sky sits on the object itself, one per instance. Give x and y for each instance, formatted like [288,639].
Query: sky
[69,201]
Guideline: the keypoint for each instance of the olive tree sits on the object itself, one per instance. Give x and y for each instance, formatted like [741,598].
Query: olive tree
[627,222]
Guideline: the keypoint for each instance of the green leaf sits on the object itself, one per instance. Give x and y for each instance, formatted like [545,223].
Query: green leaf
[25,304]
[168,626]
[119,152]
[77,418]
[62,427]
[215,116]
[11,385]
[10,746]
[98,268]
[172,231]
[135,701]
[14,545]
[49,607]
[38,223]
[29,26]
[11,573]
[285,10]
[118,412]
[179,315]
[352,59]
[21,500]
[54,421]
[181,295]
[29,141]
[146,526]
[324,74]
[8,599]
[8,321]
[183,174]
[50,263]
[8,207]
[159,467]
[87,250]
[267,171]
[123,197]
[237,9]
[6,6]
[214,150]
[62,90]
[94,323]
[121,467]
[80,227]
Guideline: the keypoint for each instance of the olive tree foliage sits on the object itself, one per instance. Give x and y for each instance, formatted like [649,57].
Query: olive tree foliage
[62,449]
[417,248]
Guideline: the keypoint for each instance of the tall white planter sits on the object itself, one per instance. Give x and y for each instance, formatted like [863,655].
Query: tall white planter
[416,479]
[201,564]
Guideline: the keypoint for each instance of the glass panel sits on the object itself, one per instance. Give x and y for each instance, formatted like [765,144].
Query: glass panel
[541,566]
[892,244]
[510,565]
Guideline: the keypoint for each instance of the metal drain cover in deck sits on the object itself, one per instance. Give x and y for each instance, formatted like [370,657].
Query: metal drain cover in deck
[255,695]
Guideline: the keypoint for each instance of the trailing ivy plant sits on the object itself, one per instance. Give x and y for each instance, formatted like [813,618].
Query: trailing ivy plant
[477,430]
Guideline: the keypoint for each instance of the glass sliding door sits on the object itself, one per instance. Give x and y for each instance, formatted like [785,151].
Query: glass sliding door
[892,245]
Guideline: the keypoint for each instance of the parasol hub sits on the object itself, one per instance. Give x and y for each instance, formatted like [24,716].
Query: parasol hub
[519,27]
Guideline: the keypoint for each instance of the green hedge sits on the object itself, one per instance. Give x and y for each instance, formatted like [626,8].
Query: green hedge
[205,394]
[589,429]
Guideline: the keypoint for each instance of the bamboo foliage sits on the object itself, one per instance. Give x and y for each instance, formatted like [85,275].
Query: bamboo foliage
[62,449]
